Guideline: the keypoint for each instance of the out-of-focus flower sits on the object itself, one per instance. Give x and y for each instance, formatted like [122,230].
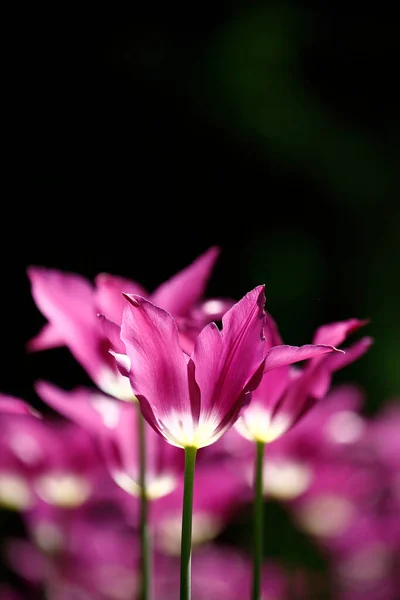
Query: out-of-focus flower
[71,555]
[113,425]
[71,304]
[12,405]
[223,573]
[56,462]
[286,393]
[218,493]
[192,401]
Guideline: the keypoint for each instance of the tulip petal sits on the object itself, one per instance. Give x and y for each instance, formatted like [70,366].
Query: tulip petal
[108,294]
[48,337]
[287,355]
[226,362]
[12,405]
[90,409]
[159,367]
[335,334]
[112,332]
[179,294]
[67,301]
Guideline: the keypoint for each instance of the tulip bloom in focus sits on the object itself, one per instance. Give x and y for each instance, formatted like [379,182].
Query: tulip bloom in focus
[192,401]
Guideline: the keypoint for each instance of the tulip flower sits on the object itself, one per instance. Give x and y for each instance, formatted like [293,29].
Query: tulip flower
[113,426]
[71,303]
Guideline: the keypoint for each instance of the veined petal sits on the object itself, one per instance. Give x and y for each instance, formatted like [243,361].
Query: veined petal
[159,368]
[287,355]
[179,294]
[226,362]
[108,294]
[335,334]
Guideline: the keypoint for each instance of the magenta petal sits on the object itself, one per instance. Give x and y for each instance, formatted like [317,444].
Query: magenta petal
[123,363]
[108,295]
[11,405]
[67,301]
[272,386]
[179,294]
[90,409]
[352,353]
[287,355]
[271,333]
[112,332]
[48,337]
[335,334]
[226,362]
[152,344]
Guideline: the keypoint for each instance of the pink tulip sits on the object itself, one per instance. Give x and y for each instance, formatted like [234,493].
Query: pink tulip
[192,401]
[71,304]
[113,425]
[285,393]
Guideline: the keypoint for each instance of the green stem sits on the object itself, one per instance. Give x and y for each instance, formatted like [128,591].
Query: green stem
[258,521]
[144,532]
[186,540]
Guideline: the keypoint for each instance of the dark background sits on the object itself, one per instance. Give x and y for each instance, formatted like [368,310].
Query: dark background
[136,140]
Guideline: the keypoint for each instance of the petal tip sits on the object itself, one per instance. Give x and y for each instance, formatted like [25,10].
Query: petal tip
[132,299]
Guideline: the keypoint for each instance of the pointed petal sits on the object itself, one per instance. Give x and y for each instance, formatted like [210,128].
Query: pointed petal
[48,337]
[179,294]
[90,409]
[159,368]
[108,294]
[123,363]
[352,353]
[314,383]
[67,301]
[335,334]
[12,405]
[287,355]
[225,362]
[112,332]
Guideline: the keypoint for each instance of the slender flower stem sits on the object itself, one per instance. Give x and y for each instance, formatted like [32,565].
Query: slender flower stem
[186,540]
[144,533]
[258,520]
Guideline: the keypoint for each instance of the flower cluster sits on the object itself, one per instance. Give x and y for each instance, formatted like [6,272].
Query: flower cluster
[170,382]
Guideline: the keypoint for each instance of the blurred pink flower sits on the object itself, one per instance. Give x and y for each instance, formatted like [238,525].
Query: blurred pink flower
[113,425]
[53,461]
[219,492]
[12,405]
[71,304]
[286,393]
[71,555]
[223,573]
